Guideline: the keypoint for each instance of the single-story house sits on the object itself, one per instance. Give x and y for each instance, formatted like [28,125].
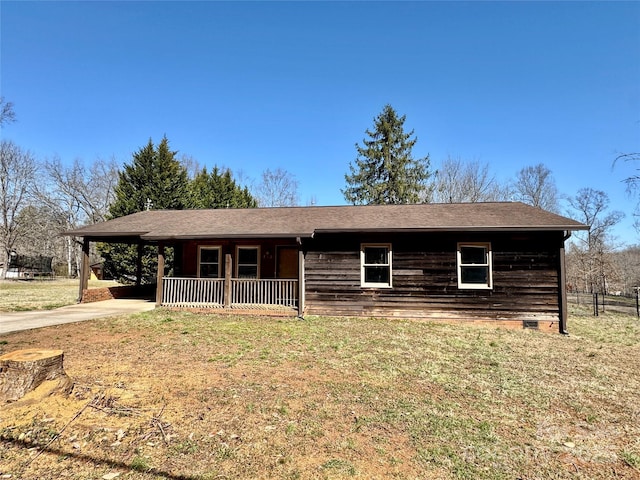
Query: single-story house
[499,262]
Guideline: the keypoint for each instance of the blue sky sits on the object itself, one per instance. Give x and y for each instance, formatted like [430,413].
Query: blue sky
[294,85]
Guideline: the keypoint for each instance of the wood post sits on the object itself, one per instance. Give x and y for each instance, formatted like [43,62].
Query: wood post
[160,274]
[301,286]
[84,269]
[139,264]
[228,269]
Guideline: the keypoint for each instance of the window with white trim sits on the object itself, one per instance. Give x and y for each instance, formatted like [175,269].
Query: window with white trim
[474,266]
[375,265]
[209,261]
[247,264]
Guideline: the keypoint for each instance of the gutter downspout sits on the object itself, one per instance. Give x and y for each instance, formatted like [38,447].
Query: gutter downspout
[563,286]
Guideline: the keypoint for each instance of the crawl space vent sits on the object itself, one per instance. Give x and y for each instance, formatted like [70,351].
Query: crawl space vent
[530,324]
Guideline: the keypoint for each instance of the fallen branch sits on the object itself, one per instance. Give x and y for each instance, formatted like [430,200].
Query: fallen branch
[157,421]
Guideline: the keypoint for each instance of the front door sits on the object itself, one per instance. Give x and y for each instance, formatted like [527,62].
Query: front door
[287,262]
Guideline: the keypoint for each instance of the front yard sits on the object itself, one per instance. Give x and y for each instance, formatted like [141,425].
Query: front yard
[186,396]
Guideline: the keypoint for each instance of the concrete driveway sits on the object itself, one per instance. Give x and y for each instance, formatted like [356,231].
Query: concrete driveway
[16,321]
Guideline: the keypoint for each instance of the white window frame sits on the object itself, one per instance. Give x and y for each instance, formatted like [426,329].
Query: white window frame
[248,247]
[488,265]
[363,265]
[209,247]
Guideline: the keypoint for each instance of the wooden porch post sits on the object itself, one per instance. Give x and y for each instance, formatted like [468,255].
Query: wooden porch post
[301,286]
[84,269]
[228,268]
[139,264]
[160,274]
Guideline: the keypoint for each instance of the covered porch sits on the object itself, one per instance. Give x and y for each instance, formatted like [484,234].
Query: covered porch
[221,275]
[244,291]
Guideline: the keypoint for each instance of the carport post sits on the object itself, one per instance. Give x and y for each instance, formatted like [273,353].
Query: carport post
[139,264]
[160,274]
[84,269]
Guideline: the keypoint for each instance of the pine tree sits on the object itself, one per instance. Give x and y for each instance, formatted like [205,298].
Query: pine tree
[155,179]
[155,175]
[385,171]
[218,190]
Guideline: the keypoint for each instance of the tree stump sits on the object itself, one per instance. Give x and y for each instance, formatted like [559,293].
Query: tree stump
[22,371]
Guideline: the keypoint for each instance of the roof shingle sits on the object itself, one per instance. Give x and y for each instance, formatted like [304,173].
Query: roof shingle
[306,221]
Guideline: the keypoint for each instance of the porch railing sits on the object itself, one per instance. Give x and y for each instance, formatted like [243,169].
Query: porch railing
[209,292]
[193,292]
[264,292]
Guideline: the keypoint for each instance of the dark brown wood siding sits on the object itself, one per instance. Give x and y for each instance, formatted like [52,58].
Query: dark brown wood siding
[187,254]
[425,285]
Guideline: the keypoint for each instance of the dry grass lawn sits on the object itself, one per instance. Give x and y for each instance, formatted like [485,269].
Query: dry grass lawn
[23,295]
[172,395]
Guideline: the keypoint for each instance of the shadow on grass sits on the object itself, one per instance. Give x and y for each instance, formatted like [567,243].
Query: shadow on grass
[130,467]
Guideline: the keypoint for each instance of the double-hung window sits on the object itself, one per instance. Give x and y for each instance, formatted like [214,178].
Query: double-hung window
[247,262]
[474,266]
[375,265]
[208,262]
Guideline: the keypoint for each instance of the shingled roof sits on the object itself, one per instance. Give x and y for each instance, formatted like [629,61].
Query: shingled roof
[306,221]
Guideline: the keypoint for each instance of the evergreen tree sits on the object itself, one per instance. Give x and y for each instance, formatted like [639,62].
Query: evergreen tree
[218,190]
[385,171]
[155,179]
[154,175]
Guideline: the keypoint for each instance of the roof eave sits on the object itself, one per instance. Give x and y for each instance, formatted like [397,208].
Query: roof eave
[157,237]
[80,233]
[546,228]
[225,236]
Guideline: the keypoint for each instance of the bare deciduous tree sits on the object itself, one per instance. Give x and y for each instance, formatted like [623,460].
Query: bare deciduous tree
[535,186]
[7,114]
[78,196]
[17,174]
[191,165]
[628,264]
[88,193]
[633,184]
[458,181]
[42,239]
[593,248]
[277,188]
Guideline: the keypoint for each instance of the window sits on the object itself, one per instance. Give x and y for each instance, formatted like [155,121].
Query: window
[474,265]
[375,261]
[248,262]
[208,262]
